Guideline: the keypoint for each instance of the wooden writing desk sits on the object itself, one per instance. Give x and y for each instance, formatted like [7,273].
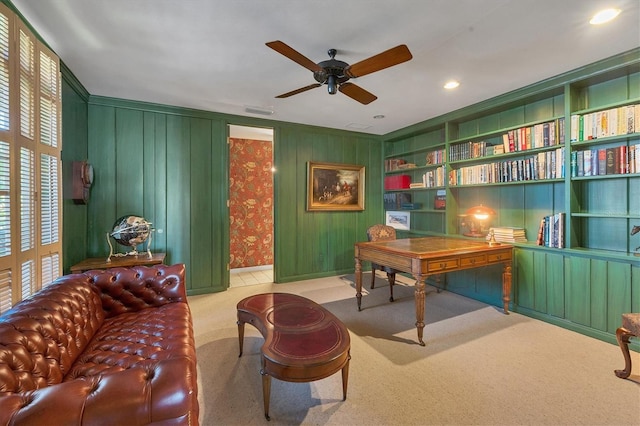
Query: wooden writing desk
[125,261]
[422,257]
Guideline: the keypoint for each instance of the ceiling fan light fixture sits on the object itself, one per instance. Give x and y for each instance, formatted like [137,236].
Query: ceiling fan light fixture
[332,86]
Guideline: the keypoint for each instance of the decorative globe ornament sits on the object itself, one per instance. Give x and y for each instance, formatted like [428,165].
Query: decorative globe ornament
[130,231]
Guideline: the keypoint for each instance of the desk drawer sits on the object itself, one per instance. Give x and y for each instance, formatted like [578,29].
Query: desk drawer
[442,265]
[498,257]
[471,261]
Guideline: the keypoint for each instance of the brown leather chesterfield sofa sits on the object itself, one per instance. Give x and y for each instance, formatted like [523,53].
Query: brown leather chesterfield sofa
[111,347]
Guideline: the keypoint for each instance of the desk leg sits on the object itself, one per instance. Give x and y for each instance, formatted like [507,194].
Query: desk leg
[506,287]
[359,283]
[419,294]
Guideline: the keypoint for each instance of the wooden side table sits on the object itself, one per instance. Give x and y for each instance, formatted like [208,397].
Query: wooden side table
[124,261]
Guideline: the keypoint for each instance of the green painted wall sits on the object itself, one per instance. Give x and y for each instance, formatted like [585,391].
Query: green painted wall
[74,148]
[169,165]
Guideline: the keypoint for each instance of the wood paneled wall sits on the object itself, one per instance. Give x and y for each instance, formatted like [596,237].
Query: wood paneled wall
[170,165]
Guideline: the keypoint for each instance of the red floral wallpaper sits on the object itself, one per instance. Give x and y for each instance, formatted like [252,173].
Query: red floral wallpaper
[251,202]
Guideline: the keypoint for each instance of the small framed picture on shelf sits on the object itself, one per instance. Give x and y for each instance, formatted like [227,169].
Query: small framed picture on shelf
[399,219]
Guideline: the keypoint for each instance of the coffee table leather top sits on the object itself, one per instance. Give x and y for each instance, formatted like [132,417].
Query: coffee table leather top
[297,330]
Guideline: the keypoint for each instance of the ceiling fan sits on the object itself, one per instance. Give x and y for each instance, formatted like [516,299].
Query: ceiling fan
[336,74]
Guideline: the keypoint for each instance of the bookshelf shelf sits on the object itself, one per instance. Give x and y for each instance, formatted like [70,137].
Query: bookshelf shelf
[606,140]
[500,132]
[607,215]
[514,183]
[611,176]
[431,188]
[427,211]
[506,155]
[412,151]
[413,169]
[605,106]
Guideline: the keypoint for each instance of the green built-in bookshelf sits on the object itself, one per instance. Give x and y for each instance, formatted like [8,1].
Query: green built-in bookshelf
[523,155]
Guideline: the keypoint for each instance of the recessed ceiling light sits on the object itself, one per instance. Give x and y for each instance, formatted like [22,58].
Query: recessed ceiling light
[451,84]
[604,16]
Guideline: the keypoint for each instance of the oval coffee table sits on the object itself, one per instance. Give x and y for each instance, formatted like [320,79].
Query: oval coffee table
[304,342]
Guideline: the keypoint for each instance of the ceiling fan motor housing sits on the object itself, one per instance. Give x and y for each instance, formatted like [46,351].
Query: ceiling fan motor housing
[332,72]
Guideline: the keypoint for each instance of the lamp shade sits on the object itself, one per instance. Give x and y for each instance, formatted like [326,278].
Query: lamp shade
[476,221]
[480,212]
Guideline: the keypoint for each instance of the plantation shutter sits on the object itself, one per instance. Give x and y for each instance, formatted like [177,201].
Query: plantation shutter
[27,84]
[26,174]
[7,209]
[49,100]
[48,199]
[27,202]
[49,97]
[30,162]
[5,291]
[4,72]
[5,200]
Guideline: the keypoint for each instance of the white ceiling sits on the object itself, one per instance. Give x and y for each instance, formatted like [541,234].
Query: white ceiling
[211,54]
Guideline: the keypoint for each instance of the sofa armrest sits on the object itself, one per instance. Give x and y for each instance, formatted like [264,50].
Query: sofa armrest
[139,287]
[163,393]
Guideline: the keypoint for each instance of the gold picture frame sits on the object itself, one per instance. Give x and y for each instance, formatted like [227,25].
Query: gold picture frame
[335,187]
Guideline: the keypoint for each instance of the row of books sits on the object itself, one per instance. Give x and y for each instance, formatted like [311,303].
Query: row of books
[431,179]
[530,137]
[551,231]
[544,165]
[433,157]
[468,150]
[537,136]
[601,124]
[393,164]
[395,200]
[507,234]
[436,157]
[606,161]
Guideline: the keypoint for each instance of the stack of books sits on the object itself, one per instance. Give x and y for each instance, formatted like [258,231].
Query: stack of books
[507,234]
[551,232]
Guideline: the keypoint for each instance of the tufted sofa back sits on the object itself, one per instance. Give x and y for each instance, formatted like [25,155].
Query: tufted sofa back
[133,289]
[41,337]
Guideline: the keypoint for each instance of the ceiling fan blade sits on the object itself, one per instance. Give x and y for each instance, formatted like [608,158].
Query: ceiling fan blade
[294,55]
[357,93]
[386,59]
[300,90]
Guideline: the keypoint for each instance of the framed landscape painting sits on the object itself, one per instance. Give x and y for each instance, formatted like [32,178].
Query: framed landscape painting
[334,187]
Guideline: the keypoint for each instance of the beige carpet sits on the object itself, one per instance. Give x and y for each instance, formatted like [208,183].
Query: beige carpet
[479,366]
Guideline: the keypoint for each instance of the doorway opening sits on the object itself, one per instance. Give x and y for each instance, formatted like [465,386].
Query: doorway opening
[250,205]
